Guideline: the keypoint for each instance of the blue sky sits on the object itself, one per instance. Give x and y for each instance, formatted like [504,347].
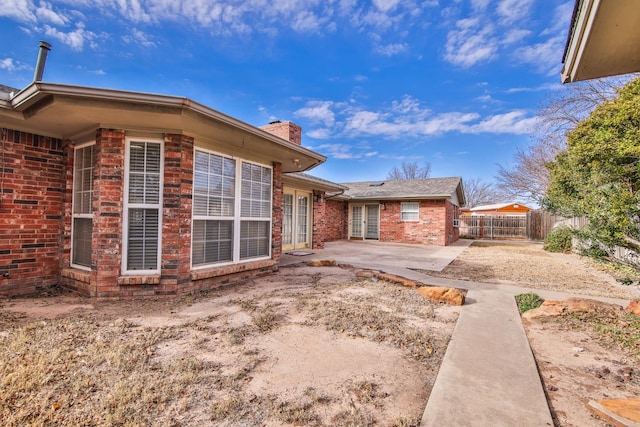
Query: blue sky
[456,84]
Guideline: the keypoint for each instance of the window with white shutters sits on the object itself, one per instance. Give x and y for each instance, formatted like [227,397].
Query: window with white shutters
[143,202]
[82,212]
[231,210]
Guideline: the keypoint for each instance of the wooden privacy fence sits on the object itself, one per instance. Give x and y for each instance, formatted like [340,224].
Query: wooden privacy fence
[535,225]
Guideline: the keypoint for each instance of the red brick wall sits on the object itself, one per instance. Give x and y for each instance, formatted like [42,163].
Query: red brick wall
[285,130]
[276,220]
[319,225]
[434,226]
[336,220]
[32,189]
[453,212]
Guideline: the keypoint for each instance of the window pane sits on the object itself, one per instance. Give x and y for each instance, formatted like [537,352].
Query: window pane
[82,230]
[144,172]
[143,235]
[254,239]
[214,178]
[287,220]
[212,242]
[256,194]
[409,211]
[83,180]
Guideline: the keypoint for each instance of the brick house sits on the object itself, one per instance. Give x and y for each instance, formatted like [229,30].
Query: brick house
[418,211]
[118,194]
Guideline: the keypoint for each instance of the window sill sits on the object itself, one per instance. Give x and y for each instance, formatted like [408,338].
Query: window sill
[76,274]
[139,280]
[206,273]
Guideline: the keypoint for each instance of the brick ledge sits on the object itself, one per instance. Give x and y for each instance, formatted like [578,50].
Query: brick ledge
[230,269]
[76,274]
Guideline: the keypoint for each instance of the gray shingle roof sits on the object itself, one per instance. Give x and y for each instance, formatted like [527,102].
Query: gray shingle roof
[319,182]
[8,89]
[404,189]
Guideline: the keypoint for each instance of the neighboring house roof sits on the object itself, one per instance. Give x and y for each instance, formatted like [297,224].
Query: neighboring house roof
[429,188]
[306,180]
[65,111]
[5,92]
[604,40]
[497,206]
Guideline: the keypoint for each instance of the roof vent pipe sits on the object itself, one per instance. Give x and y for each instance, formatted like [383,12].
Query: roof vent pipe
[42,59]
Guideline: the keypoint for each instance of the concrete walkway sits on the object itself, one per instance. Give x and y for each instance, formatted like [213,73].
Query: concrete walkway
[488,376]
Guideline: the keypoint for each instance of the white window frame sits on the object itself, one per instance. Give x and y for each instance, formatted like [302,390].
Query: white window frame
[83,215]
[127,206]
[410,208]
[237,217]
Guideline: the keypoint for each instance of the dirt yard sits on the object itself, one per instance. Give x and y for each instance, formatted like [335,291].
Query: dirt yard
[526,264]
[580,358]
[307,346]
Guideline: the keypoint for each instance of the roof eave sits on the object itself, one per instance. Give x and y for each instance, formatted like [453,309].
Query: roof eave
[42,92]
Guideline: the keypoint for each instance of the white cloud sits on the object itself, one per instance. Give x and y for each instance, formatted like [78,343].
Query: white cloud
[320,133]
[317,112]
[139,37]
[511,11]
[46,13]
[386,5]
[545,56]
[514,122]
[544,87]
[471,43]
[9,65]
[338,151]
[407,118]
[20,10]
[75,39]
[514,36]
[392,49]
[306,21]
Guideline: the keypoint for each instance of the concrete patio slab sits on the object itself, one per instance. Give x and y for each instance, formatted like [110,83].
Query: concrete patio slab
[375,254]
[488,375]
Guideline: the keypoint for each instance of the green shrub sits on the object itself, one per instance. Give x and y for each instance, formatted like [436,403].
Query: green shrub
[558,240]
[528,301]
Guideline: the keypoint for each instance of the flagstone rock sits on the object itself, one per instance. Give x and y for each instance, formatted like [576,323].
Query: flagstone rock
[552,308]
[618,412]
[450,296]
[321,263]
[634,307]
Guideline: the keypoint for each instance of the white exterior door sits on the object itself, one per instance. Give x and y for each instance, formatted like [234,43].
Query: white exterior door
[296,223]
[372,222]
[364,221]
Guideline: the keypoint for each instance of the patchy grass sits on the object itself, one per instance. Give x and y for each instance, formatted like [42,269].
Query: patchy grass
[621,330]
[74,372]
[79,371]
[528,301]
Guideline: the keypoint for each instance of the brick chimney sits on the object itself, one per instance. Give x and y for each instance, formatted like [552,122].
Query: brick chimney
[285,130]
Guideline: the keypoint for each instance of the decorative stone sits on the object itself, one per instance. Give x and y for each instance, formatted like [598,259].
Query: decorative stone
[450,296]
[634,307]
[392,278]
[366,274]
[551,308]
[321,263]
[618,412]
